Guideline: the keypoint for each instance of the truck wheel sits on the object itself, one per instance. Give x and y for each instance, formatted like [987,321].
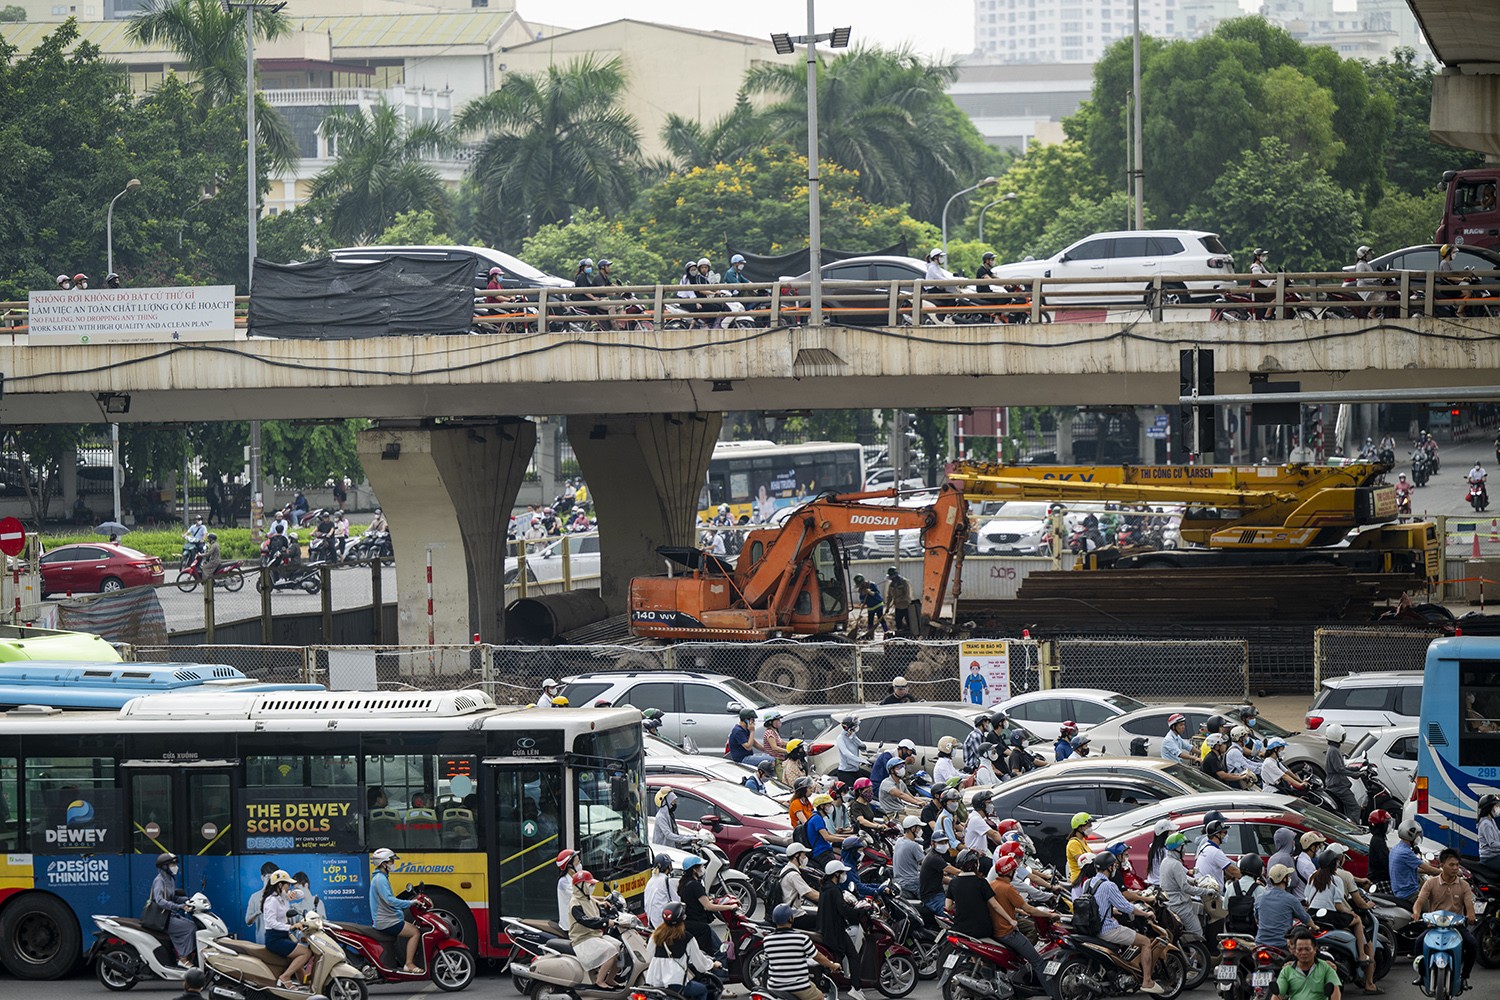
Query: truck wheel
[39,937]
[784,672]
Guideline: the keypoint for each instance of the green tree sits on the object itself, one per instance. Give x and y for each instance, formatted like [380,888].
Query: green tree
[1248,205]
[293,236]
[12,13]
[306,454]
[1414,161]
[1401,220]
[553,143]
[41,450]
[1045,181]
[211,41]
[726,139]
[885,115]
[1082,217]
[558,248]
[414,229]
[379,172]
[1301,113]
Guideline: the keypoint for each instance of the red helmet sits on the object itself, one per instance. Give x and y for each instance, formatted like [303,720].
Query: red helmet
[1379,816]
[1175,719]
[564,858]
[1070,726]
[581,877]
[1006,866]
[1006,825]
[862,785]
[1012,850]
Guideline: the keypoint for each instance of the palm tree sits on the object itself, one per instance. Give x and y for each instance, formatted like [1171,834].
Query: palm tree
[211,42]
[553,142]
[885,115]
[728,139]
[379,172]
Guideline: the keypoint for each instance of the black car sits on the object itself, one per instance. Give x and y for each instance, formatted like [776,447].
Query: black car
[1046,804]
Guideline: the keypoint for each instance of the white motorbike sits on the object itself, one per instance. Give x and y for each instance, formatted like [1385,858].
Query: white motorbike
[124,952]
[557,975]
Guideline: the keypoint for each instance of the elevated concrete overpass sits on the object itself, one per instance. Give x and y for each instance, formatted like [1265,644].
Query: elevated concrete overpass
[1465,37]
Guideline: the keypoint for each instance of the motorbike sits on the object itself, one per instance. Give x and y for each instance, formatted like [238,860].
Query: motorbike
[912,928]
[1088,967]
[1236,969]
[1439,965]
[1268,962]
[287,574]
[1340,948]
[1313,792]
[190,551]
[1377,796]
[983,968]
[560,974]
[230,576]
[244,970]
[1478,497]
[894,968]
[719,876]
[445,960]
[370,545]
[529,939]
[323,548]
[1195,949]
[1421,467]
[1403,504]
[1487,929]
[125,953]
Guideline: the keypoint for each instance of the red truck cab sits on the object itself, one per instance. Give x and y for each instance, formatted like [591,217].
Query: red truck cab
[1471,208]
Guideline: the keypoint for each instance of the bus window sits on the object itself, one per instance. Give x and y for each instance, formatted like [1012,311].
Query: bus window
[1479,723]
[420,802]
[151,814]
[271,772]
[72,805]
[10,832]
[527,839]
[210,813]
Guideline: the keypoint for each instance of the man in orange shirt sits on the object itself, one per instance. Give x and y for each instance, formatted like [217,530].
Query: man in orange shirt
[1007,929]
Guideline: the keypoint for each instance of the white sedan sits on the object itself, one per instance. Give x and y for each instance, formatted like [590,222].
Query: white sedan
[1044,712]
[1019,528]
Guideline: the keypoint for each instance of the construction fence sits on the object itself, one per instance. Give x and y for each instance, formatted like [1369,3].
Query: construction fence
[1338,652]
[787,672]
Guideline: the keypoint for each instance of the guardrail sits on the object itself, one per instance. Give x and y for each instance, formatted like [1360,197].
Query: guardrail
[1214,296]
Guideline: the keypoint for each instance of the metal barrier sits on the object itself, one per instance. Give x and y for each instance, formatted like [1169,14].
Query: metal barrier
[1338,652]
[1191,669]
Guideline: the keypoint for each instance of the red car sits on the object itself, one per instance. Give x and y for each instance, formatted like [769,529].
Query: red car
[744,813]
[97,567]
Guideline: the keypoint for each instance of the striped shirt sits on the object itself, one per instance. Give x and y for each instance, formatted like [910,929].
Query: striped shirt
[789,953]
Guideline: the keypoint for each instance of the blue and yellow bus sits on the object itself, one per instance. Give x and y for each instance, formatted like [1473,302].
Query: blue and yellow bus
[1459,738]
[476,798]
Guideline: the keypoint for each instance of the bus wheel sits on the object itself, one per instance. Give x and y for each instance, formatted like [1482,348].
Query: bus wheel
[455,913]
[39,937]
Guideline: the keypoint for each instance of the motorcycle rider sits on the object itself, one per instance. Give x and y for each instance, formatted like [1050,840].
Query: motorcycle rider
[664,832]
[947,817]
[550,689]
[1286,854]
[1450,891]
[1478,479]
[795,892]
[906,857]
[1175,745]
[1063,748]
[937,270]
[758,781]
[1489,832]
[743,748]
[1276,776]
[1239,759]
[1403,494]
[1005,902]
[1078,842]
[821,830]
[195,537]
[850,748]
[800,808]
[975,742]
[596,951]
[378,522]
[387,912]
[1337,773]
[1181,892]
[1278,908]
[1307,978]
[1211,859]
[937,868]
[893,791]
[945,767]
[660,891]
[839,923]
[675,956]
[1215,764]
[1112,904]
[172,901]
[1362,265]
[789,954]
[1325,891]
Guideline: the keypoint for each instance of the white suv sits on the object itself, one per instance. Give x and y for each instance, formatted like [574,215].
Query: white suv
[1134,258]
[1363,703]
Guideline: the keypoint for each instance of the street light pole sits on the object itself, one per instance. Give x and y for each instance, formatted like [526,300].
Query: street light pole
[786,45]
[955,197]
[109,225]
[1135,84]
[1007,197]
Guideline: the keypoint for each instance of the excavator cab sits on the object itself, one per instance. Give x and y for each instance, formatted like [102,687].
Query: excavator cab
[822,600]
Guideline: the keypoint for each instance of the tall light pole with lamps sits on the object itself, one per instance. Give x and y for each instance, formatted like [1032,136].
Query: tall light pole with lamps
[785,45]
[133,184]
[955,197]
[1010,196]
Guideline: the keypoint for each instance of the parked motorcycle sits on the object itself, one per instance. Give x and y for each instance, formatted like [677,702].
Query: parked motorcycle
[230,576]
[124,953]
[368,546]
[288,575]
[1440,965]
[244,970]
[445,960]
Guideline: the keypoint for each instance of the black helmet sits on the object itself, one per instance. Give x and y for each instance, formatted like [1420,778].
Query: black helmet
[663,863]
[747,715]
[765,767]
[967,860]
[981,800]
[674,914]
[1252,865]
[802,784]
[981,720]
[1215,723]
[999,719]
[1328,859]
[1215,827]
[165,858]
[1213,816]
[850,721]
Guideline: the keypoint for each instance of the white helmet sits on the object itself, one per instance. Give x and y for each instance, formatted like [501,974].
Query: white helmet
[1334,733]
[1239,733]
[1362,253]
[936,252]
[704,262]
[381,855]
[549,683]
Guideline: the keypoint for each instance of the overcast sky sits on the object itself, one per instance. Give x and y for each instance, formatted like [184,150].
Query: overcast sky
[932,27]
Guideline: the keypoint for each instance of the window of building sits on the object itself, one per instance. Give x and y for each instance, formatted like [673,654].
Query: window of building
[10,801]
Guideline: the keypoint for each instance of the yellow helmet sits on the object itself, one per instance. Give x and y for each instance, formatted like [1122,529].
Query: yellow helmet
[560,701]
[1446,250]
[822,799]
[792,745]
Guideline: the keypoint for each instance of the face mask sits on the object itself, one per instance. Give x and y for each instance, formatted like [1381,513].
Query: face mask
[672,808]
[952,807]
[172,869]
[588,270]
[1251,723]
[739,267]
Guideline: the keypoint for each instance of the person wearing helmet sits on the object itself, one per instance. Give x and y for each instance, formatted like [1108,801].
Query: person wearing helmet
[651,721]
[895,792]
[676,958]
[664,831]
[771,743]
[800,807]
[173,902]
[1005,919]
[1018,759]
[795,890]
[945,816]
[1082,824]
[760,781]
[968,896]
[80,280]
[1326,891]
[1489,832]
[1112,904]
[1364,266]
[736,274]
[937,267]
[949,757]
[900,692]
[387,912]
[980,833]
[841,923]
[850,749]
[906,856]
[1063,748]
[1277,907]
[742,747]
[1211,860]
[822,834]
[1080,744]
[1215,724]
[701,906]
[794,765]
[1216,765]
[279,923]
[65,282]
[1175,745]
[852,854]
[1239,756]
[550,690]
[975,742]
[1403,496]
[596,951]
[1183,895]
[789,954]
[661,890]
[862,817]
[1337,774]
[1241,894]
[906,610]
[906,749]
[1276,776]
[1311,843]
[1407,866]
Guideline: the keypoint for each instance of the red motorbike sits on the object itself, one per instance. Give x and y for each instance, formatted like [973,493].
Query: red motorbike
[886,962]
[985,969]
[381,957]
[230,576]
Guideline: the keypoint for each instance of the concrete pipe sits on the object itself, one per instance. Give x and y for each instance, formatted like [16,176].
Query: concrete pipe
[542,619]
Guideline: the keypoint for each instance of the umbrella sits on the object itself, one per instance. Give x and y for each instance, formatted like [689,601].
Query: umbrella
[111,528]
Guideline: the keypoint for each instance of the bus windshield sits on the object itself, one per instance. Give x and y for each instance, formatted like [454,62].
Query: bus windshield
[611,833]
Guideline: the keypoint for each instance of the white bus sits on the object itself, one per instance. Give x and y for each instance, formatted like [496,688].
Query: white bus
[756,478]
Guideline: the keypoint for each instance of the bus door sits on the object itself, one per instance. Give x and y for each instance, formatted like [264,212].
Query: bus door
[527,797]
[185,808]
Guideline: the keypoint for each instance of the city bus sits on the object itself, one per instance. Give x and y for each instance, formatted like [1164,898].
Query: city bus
[110,685]
[477,800]
[756,478]
[1458,756]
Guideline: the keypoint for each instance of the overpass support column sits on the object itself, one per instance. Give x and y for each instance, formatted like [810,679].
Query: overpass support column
[645,473]
[1466,111]
[449,490]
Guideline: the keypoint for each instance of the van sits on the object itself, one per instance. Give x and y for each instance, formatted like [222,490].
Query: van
[518,273]
[1365,702]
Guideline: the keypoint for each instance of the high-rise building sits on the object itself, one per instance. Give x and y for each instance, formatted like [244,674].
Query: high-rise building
[1063,31]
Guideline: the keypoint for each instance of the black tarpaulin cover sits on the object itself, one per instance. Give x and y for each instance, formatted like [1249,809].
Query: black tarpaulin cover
[789,265]
[324,300]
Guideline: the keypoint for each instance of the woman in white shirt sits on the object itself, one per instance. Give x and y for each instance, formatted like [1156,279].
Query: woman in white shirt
[273,916]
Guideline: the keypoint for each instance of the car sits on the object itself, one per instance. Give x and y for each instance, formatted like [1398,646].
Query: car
[1133,258]
[1020,528]
[698,706]
[1364,702]
[1253,823]
[1424,257]
[743,812]
[1044,712]
[884,479]
[857,306]
[883,726]
[1304,752]
[544,563]
[1393,754]
[664,758]
[808,722]
[97,567]
[518,273]
[897,543]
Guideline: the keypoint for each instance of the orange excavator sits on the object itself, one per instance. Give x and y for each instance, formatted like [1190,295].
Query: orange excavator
[793,579]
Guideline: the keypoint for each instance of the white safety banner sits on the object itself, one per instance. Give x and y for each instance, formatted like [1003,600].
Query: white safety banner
[131,315]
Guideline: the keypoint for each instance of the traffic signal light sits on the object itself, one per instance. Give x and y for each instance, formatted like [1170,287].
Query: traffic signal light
[1195,367]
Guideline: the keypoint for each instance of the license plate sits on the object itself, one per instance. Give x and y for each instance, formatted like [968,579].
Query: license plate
[1051,968]
[1479,906]
[1228,972]
[950,961]
[1261,978]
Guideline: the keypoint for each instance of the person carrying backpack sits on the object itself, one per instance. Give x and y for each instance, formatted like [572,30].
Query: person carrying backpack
[1240,893]
[1109,904]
